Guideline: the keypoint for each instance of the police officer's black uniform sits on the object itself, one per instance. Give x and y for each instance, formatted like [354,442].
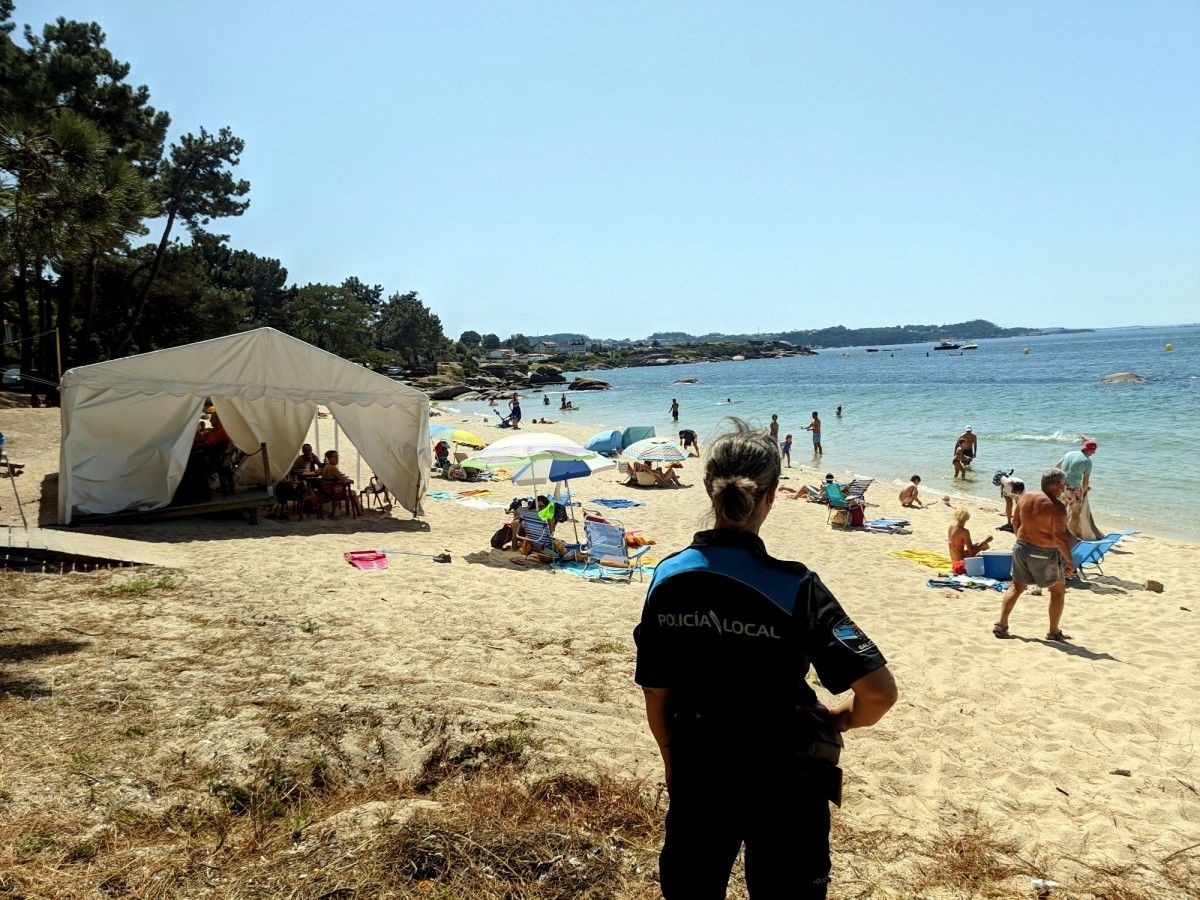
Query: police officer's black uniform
[732,632]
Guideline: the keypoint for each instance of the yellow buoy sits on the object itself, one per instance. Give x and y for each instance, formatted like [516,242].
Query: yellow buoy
[1026,351]
[1170,347]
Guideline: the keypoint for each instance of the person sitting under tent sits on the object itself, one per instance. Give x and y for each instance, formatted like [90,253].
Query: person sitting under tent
[307,460]
[331,472]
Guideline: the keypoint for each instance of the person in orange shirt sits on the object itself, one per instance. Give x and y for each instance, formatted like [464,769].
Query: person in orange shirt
[1042,554]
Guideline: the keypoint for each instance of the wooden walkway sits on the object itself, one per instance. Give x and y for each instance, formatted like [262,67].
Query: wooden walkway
[67,550]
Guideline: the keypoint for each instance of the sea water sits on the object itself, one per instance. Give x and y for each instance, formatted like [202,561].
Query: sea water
[903,408]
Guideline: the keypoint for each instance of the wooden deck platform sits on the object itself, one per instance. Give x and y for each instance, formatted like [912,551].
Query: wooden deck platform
[243,501]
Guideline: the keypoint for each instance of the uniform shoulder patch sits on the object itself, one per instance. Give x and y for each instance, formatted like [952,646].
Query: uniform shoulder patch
[852,637]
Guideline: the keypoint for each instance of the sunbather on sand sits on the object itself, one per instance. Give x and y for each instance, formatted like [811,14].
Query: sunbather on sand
[660,477]
[959,538]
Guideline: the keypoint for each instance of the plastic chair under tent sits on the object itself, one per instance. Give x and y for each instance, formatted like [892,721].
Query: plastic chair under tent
[375,492]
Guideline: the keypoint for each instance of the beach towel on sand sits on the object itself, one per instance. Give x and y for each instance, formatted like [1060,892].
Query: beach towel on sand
[931,558]
[366,559]
[619,503]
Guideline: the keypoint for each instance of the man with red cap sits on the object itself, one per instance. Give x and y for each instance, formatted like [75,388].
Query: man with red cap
[1077,464]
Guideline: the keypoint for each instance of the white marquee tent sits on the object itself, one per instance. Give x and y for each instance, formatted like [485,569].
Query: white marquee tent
[128,424]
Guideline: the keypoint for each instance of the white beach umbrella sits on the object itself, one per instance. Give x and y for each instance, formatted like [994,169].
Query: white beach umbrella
[554,470]
[521,449]
[654,450]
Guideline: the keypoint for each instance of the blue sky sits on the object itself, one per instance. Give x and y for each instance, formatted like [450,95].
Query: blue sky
[622,168]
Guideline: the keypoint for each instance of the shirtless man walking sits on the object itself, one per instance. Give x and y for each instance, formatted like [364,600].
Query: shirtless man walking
[1041,555]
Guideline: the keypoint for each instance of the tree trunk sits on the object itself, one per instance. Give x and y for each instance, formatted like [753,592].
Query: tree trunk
[67,287]
[123,344]
[89,309]
[24,319]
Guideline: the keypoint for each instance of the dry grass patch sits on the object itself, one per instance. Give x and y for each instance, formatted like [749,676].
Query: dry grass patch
[176,752]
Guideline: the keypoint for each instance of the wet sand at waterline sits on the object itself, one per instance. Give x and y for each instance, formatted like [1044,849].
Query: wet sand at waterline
[1024,735]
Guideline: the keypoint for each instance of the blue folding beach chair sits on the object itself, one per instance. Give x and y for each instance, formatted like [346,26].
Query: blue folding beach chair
[1090,553]
[607,551]
[537,532]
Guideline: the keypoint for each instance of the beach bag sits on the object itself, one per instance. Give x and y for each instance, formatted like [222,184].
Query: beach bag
[856,517]
[840,518]
[502,537]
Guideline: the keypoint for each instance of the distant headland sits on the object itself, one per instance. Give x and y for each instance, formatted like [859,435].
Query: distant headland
[539,361]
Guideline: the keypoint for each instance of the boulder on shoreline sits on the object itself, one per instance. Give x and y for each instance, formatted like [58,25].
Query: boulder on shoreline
[447,392]
[587,384]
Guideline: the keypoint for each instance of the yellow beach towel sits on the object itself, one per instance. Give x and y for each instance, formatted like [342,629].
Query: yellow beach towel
[931,558]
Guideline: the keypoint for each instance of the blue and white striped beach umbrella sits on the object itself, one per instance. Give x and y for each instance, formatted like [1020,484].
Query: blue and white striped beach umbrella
[654,450]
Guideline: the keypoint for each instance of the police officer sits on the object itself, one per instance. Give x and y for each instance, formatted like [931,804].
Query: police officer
[726,639]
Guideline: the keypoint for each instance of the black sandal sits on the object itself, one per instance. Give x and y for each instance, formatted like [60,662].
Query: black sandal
[1000,631]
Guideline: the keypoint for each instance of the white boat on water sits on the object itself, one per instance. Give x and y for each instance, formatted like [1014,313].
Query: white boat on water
[971,346]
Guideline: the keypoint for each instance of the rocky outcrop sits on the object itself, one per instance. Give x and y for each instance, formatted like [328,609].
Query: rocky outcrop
[1123,378]
[448,392]
[546,375]
[587,384]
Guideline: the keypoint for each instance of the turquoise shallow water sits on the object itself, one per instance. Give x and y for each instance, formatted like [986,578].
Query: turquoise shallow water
[903,411]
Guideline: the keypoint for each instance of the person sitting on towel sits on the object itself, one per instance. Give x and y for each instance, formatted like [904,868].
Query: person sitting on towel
[959,539]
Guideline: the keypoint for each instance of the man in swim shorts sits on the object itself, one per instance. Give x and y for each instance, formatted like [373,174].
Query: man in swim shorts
[815,427]
[1042,555]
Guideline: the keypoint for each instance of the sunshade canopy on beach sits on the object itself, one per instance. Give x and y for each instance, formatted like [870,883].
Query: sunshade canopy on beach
[605,441]
[128,424]
[552,470]
[635,433]
[654,450]
[457,436]
[521,449]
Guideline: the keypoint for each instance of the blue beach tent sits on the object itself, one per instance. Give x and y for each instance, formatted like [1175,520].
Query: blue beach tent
[604,442]
[635,433]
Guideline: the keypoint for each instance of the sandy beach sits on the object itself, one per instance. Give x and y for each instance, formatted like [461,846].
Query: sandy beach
[1081,756]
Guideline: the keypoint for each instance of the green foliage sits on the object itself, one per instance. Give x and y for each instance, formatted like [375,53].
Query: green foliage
[490,342]
[329,317]
[470,339]
[518,342]
[407,326]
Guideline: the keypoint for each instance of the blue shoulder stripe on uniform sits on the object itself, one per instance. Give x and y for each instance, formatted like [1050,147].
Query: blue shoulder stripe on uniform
[777,585]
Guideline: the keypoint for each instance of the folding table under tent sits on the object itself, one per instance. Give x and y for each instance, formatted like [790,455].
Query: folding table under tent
[128,424]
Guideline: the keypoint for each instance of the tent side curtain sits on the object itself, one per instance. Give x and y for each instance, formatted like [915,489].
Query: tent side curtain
[122,451]
[394,442]
[280,424]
